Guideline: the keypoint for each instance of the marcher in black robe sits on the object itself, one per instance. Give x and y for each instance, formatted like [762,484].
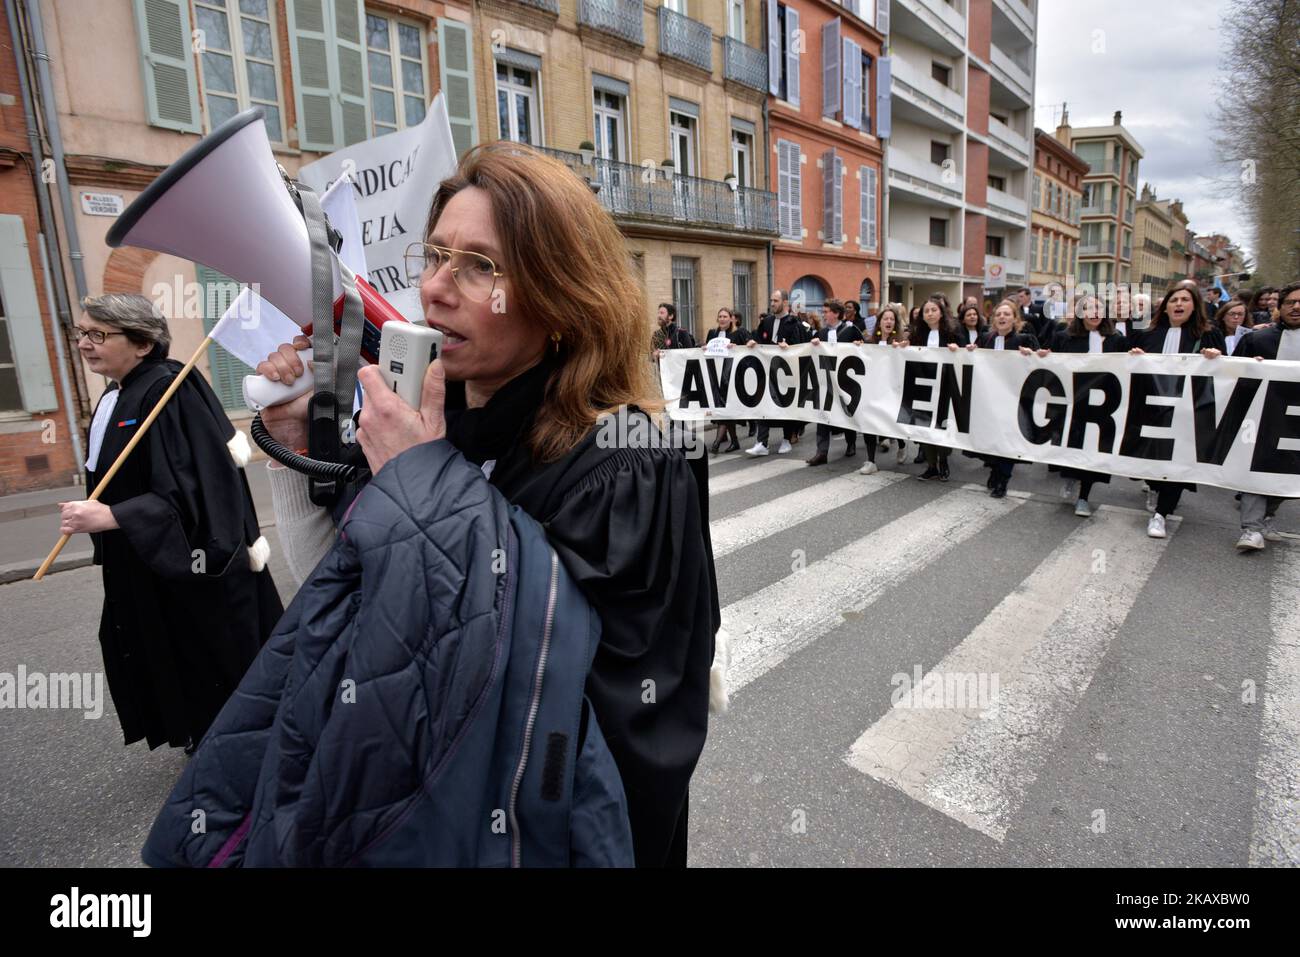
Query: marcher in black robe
[184,614]
[632,527]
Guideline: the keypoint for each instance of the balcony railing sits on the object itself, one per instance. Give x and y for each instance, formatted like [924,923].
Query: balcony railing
[685,39]
[622,18]
[634,192]
[1011,73]
[1019,14]
[1151,246]
[1126,253]
[745,64]
[1128,215]
[941,18]
[927,92]
[1103,168]
[925,177]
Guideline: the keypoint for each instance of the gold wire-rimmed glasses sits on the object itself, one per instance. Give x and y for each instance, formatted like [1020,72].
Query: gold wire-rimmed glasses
[475,275]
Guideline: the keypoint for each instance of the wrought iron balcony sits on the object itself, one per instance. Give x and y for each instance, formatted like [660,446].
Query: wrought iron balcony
[744,64]
[685,39]
[621,18]
[635,192]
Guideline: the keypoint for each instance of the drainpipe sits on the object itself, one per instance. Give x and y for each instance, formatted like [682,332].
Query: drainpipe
[767,162]
[56,302]
[50,112]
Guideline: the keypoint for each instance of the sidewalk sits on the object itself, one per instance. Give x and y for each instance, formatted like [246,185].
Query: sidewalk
[29,526]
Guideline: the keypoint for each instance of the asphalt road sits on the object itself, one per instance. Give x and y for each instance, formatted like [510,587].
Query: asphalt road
[1146,708]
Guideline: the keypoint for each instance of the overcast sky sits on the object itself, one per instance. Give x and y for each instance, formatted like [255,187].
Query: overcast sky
[1159,62]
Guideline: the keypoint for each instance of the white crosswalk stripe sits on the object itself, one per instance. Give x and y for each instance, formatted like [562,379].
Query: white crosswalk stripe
[774,623]
[759,472]
[1042,643]
[1275,841]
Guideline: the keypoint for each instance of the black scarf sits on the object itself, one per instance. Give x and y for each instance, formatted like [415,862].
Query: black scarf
[499,430]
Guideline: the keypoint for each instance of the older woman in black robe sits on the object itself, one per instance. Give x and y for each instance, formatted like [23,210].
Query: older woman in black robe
[187,599]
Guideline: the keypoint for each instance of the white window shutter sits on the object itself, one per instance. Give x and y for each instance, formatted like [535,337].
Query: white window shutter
[829,233]
[171,93]
[831,86]
[23,317]
[884,113]
[796,191]
[353,81]
[882,15]
[872,198]
[314,82]
[851,68]
[782,188]
[791,57]
[837,179]
[456,69]
[773,48]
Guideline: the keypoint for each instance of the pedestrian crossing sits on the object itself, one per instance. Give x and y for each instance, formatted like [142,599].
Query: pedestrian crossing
[1044,635]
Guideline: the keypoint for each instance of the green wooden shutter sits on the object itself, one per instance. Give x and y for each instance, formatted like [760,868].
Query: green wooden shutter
[312,82]
[171,94]
[354,84]
[456,72]
[23,317]
[226,371]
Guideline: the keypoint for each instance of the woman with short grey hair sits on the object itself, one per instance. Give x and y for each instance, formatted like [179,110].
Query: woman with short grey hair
[187,598]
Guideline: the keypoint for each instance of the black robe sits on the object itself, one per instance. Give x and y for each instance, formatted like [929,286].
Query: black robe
[1065,341]
[632,528]
[184,615]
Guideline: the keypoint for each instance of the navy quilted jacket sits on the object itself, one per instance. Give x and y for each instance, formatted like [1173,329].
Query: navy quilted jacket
[420,703]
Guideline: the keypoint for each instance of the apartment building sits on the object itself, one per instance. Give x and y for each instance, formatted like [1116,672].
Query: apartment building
[960,157]
[659,106]
[1056,198]
[1153,231]
[1109,198]
[1179,265]
[828,115]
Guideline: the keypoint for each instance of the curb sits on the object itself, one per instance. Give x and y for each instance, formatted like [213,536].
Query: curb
[20,571]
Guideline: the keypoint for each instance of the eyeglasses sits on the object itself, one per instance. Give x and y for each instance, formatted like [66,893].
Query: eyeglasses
[1291,304]
[475,274]
[95,335]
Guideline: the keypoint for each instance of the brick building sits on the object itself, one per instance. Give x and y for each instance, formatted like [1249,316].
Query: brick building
[1153,232]
[1056,198]
[1109,199]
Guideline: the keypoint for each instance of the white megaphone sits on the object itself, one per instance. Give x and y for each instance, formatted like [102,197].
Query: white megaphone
[226,204]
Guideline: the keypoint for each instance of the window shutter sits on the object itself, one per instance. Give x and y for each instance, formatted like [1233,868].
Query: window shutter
[837,203]
[851,68]
[832,223]
[796,191]
[882,15]
[225,370]
[354,85]
[318,129]
[456,69]
[831,83]
[23,316]
[791,57]
[773,48]
[171,93]
[783,187]
[884,121]
[868,212]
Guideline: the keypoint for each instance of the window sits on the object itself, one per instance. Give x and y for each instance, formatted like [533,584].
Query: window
[10,397]
[736,20]
[832,197]
[866,300]
[998,182]
[938,232]
[608,124]
[517,89]
[939,152]
[395,51]
[685,285]
[789,196]
[1033,251]
[941,73]
[742,151]
[1056,254]
[742,292]
[867,219]
[866,93]
[239,62]
[681,134]
[783,58]
[993,245]
[808,294]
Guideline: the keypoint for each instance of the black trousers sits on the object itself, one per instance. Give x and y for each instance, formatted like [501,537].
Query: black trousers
[1168,494]
[824,438]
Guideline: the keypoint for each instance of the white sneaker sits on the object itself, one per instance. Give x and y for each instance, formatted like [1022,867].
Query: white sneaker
[1152,497]
[1156,527]
[868,468]
[902,452]
[757,449]
[784,447]
[1271,534]
[1070,490]
[1250,542]
[884,445]
[1083,509]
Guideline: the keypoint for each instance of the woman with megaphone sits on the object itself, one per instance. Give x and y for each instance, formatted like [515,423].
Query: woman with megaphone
[528,279]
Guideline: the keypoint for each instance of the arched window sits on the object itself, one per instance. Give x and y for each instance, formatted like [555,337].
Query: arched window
[866,298]
[807,295]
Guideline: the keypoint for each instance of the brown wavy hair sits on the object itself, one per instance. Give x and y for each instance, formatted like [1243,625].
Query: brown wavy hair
[570,268]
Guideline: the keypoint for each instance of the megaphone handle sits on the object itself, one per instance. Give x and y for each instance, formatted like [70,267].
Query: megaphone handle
[260,392]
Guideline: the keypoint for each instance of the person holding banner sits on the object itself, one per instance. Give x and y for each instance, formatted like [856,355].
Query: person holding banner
[1278,340]
[728,327]
[187,597]
[779,328]
[836,330]
[970,325]
[936,330]
[887,332]
[1179,327]
[1090,333]
[1231,321]
[519,400]
[1003,336]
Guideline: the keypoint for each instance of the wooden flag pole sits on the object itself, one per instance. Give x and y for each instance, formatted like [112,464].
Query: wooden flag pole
[135,439]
